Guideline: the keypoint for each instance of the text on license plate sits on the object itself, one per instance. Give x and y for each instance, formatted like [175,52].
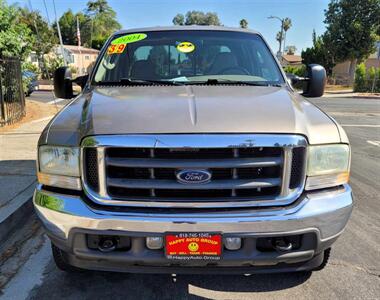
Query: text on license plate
[193,245]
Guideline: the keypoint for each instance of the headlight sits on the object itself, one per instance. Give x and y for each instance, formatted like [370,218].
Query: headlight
[328,165]
[59,166]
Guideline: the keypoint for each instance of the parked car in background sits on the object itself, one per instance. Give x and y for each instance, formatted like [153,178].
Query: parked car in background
[188,151]
[31,83]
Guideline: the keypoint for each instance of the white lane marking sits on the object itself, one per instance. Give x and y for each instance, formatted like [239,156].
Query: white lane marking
[354,114]
[30,275]
[360,125]
[56,101]
[375,143]
[43,119]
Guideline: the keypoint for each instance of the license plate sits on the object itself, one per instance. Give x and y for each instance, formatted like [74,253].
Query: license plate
[197,246]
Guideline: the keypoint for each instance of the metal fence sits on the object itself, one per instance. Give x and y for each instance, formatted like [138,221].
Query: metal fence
[12,98]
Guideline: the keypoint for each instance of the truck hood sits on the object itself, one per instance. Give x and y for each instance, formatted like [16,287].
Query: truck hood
[189,109]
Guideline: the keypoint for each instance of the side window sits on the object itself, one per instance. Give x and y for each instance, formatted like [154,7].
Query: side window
[264,65]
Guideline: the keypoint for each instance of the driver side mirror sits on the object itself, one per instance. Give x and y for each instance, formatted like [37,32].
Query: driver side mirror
[313,84]
[315,81]
[63,86]
[63,83]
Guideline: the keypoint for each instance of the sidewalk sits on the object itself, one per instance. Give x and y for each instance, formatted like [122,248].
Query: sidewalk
[18,152]
[350,94]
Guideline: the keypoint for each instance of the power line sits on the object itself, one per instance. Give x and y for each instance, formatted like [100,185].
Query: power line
[59,35]
[39,42]
[47,13]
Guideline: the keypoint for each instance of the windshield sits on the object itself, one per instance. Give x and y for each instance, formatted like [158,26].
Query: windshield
[188,57]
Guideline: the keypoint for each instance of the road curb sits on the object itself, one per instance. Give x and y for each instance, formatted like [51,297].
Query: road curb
[12,215]
[349,95]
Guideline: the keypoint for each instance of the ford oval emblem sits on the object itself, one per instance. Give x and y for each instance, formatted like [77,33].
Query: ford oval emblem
[193,176]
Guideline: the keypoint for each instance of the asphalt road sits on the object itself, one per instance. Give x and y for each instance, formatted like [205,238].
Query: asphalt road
[353,271]
[46,97]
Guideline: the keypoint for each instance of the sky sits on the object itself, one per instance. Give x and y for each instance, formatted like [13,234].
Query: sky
[306,15]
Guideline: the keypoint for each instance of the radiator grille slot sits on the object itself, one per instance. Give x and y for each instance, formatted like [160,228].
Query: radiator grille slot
[91,168]
[298,158]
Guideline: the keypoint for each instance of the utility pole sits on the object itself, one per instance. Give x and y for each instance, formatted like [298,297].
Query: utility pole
[79,47]
[60,36]
[282,34]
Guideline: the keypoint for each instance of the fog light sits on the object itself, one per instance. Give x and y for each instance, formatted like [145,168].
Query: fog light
[154,242]
[232,243]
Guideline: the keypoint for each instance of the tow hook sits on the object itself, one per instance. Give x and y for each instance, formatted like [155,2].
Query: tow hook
[281,245]
[107,244]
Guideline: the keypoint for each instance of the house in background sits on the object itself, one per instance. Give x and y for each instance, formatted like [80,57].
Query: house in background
[80,58]
[341,71]
[291,60]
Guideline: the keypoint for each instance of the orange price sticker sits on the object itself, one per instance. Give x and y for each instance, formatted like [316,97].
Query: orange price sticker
[116,49]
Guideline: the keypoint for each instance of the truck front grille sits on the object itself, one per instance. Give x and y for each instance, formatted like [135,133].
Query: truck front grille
[152,172]
[247,175]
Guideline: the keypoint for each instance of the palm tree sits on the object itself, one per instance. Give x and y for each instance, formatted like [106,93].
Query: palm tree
[287,23]
[98,6]
[279,37]
[243,23]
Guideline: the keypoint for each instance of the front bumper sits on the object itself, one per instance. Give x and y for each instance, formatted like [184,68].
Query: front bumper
[321,215]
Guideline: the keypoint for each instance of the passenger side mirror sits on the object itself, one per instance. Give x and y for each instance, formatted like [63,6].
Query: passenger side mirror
[315,81]
[81,80]
[294,79]
[63,83]
[63,86]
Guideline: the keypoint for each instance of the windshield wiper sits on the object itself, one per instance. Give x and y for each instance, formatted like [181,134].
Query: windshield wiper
[129,81]
[234,82]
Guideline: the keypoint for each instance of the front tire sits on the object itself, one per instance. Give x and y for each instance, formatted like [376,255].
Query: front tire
[60,262]
[326,257]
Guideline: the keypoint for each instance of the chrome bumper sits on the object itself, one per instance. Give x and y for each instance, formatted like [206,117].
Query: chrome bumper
[324,213]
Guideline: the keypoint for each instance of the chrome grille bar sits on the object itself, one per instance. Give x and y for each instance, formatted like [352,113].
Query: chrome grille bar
[192,163]
[169,184]
[102,172]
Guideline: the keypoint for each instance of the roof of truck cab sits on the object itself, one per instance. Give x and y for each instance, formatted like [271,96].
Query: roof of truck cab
[185,28]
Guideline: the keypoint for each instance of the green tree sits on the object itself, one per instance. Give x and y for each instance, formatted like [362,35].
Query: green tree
[320,53]
[360,78]
[179,19]
[197,18]
[351,29]
[67,24]
[103,21]
[243,23]
[16,39]
[44,35]
[96,25]
[287,23]
[99,7]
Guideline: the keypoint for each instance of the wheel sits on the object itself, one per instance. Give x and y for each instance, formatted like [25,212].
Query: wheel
[60,262]
[326,256]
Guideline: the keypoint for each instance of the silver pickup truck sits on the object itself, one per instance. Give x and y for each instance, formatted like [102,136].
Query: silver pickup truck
[189,151]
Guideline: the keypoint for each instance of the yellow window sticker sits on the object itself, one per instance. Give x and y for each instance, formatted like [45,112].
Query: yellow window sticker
[129,38]
[116,49]
[186,47]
